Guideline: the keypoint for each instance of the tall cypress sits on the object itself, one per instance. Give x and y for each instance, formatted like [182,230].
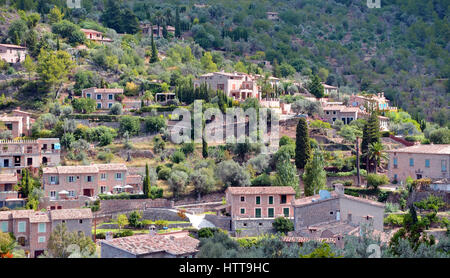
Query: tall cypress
[302,144]
[204,148]
[147,186]
[177,23]
[154,57]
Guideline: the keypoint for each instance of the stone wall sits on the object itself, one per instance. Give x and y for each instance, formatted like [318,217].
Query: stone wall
[222,222]
[114,206]
[162,214]
[315,212]
[252,226]
[354,179]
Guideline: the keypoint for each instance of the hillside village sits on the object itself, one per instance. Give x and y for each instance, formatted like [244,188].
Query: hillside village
[89,110]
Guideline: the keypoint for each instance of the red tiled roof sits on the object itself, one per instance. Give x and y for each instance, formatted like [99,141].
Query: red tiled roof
[425,149]
[262,190]
[85,169]
[65,214]
[306,239]
[177,243]
[12,46]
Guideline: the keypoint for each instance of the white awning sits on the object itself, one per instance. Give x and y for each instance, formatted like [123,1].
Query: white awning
[117,186]
[63,192]
[128,186]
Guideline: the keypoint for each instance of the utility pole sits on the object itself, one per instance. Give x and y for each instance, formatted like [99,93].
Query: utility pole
[357,161]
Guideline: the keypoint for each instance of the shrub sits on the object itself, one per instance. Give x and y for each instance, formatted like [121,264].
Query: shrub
[391,207]
[394,220]
[123,233]
[177,157]
[348,183]
[164,173]
[262,180]
[161,223]
[207,232]
[116,109]
[154,124]
[105,156]
[283,225]
[375,180]
[187,148]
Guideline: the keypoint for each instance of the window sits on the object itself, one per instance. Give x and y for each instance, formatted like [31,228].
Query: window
[99,105]
[41,228]
[103,176]
[286,212]
[71,193]
[71,178]
[427,163]
[110,96]
[80,221]
[52,179]
[395,162]
[41,239]
[119,176]
[258,200]
[242,199]
[242,210]
[283,199]
[331,212]
[444,165]
[21,227]
[89,178]
[395,176]
[88,95]
[29,161]
[52,194]
[411,162]
[270,200]
[5,226]
[270,212]
[110,105]
[258,213]
[99,96]
[102,189]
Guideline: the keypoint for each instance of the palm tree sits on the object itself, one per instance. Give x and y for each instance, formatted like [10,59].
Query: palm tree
[377,153]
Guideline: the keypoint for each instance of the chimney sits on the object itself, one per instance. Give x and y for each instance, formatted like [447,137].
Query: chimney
[152,230]
[109,235]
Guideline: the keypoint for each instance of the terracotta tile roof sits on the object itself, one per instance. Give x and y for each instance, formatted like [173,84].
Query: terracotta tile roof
[65,214]
[134,179]
[39,217]
[111,167]
[6,118]
[261,190]
[12,46]
[82,169]
[8,178]
[425,149]
[46,216]
[306,239]
[90,31]
[5,215]
[177,243]
[309,200]
[363,200]
[105,90]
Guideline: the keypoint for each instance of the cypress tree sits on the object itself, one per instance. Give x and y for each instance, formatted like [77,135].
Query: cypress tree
[147,186]
[276,69]
[302,145]
[177,23]
[154,57]
[315,87]
[204,148]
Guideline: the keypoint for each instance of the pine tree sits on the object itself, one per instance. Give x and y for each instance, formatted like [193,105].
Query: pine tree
[315,87]
[112,17]
[154,58]
[302,144]
[371,134]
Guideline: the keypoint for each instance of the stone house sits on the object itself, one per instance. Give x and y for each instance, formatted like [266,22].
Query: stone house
[239,86]
[71,182]
[12,53]
[253,209]
[328,89]
[8,197]
[95,35]
[18,154]
[19,123]
[32,229]
[152,245]
[376,102]
[331,214]
[148,28]
[105,98]
[341,112]
[419,161]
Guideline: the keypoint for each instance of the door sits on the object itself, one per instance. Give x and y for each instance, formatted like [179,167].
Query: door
[6,163]
[87,192]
